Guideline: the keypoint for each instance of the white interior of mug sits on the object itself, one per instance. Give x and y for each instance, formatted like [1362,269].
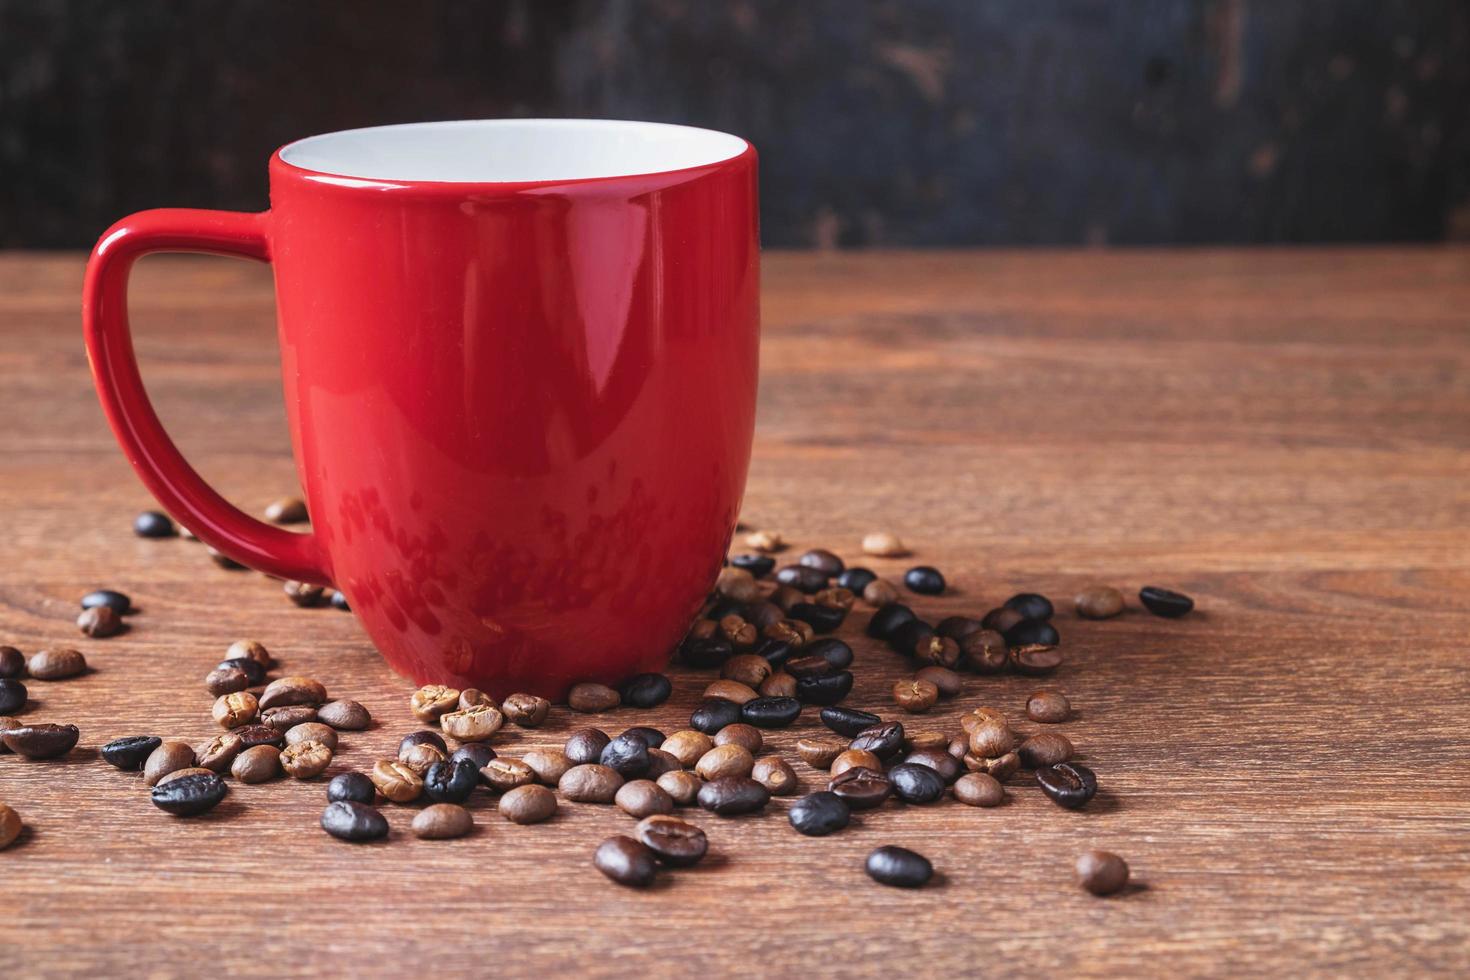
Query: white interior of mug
[511,150]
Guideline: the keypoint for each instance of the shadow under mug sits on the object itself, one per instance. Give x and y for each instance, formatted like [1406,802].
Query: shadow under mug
[520,363]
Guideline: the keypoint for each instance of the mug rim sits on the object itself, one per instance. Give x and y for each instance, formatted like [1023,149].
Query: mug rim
[731,148]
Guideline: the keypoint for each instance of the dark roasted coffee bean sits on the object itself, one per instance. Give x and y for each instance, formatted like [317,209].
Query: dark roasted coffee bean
[223,560]
[304,594]
[714,714]
[351,787]
[252,735]
[771,712]
[948,683]
[924,580]
[889,618]
[100,622]
[626,861]
[1068,784]
[674,842]
[339,601]
[900,867]
[354,821]
[826,690]
[12,663]
[253,670]
[763,614]
[802,578]
[819,814]
[1102,872]
[822,619]
[1001,619]
[422,737]
[627,755]
[725,607]
[12,695]
[808,666]
[938,651]
[979,789]
[984,652]
[861,788]
[914,783]
[188,796]
[115,601]
[915,696]
[652,736]
[1099,602]
[884,740]
[908,638]
[451,782]
[131,752]
[849,721]
[775,652]
[153,524]
[707,652]
[957,627]
[286,510]
[856,579]
[1045,749]
[288,716]
[646,690]
[225,680]
[1162,602]
[946,765]
[823,561]
[1032,632]
[1030,605]
[732,795]
[759,566]
[1036,660]
[832,650]
[477,753]
[585,745]
[41,741]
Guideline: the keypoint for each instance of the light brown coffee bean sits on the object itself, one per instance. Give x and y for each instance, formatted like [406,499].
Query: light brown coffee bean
[257,764]
[56,665]
[549,765]
[590,783]
[767,542]
[474,724]
[286,510]
[305,760]
[746,668]
[742,635]
[775,774]
[779,685]
[344,715]
[396,781]
[590,698]
[792,631]
[688,745]
[168,757]
[1048,707]
[420,756]
[506,774]
[643,798]
[741,734]
[431,701]
[7,722]
[976,717]
[737,584]
[442,821]
[947,682]
[313,731]
[880,592]
[1045,749]
[526,710]
[528,804]
[217,754]
[855,758]
[225,680]
[979,789]
[1002,767]
[304,594]
[1102,872]
[702,629]
[914,695]
[100,622]
[725,760]
[181,773]
[287,691]
[1099,602]
[835,598]
[819,751]
[991,738]
[914,741]
[288,716]
[783,599]
[884,544]
[681,785]
[235,710]
[730,691]
[660,762]
[472,696]
[253,649]
[10,826]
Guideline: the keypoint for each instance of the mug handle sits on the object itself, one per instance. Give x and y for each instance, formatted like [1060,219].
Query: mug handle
[176,484]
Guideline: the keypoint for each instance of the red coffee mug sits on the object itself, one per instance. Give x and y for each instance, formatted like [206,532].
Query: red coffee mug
[520,370]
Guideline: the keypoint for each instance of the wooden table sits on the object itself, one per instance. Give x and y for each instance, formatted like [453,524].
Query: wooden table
[1283,434]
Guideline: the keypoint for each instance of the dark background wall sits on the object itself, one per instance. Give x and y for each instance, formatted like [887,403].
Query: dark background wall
[880,122]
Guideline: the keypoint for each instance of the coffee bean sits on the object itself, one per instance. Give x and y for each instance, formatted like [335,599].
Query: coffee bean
[257,764]
[527,804]
[41,741]
[856,579]
[938,651]
[861,788]
[451,782]
[1032,632]
[835,598]
[979,789]
[775,774]
[12,695]
[854,759]
[474,724]
[883,544]
[153,524]
[741,634]
[503,775]
[746,736]
[626,861]
[590,698]
[100,622]
[759,566]
[168,757]
[733,795]
[420,756]
[818,751]
[12,663]
[129,754]
[848,721]
[823,561]
[590,783]
[990,738]
[1030,605]
[884,740]
[253,735]
[476,752]
[1068,784]
[771,712]
[706,652]
[976,717]
[225,680]
[775,652]
[778,685]
[1002,767]
[288,716]
[250,650]
[312,731]
[432,701]
[181,773]
[924,579]
[802,578]
[643,798]
[673,841]
[714,714]
[223,560]
[1001,619]
[880,592]
[442,821]
[191,795]
[472,696]
[527,710]
[290,691]
[1099,602]
[10,826]
[749,669]
[826,690]
[914,695]
[792,631]
[909,638]
[682,786]
[305,760]
[344,715]
[945,681]
[1035,660]
[763,614]
[1162,602]
[286,510]
[819,814]
[339,601]
[252,669]
[627,755]
[688,746]
[548,764]
[957,627]
[422,737]
[585,745]
[915,741]
[1045,749]
[218,753]
[304,594]
[725,760]
[234,710]
[889,618]
[900,867]
[946,765]
[351,787]
[984,652]
[646,690]
[56,665]
[1102,872]
[915,783]
[822,619]
[396,781]
[354,821]
[837,654]
[730,691]
[808,666]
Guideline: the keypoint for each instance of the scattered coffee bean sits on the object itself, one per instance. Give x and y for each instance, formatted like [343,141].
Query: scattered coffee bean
[225,680]
[1002,767]
[979,789]
[673,841]
[191,795]
[473,697]
[182,773]
[945,681]
[291,691]
[736,584]
[706,652]
[976,717]
[339,601]
[1001,619]
[252,735]
[848,721]
[937,651]
[503,775]
[12,663]
[12,695]
[909,638]
[432,701]
[990,738]
[1030,605]
[626,861]
[681,785]
[984,651]
[900,867]
[1102,872]
[527,710]
[775,774]
[218,753]
[914,783]
[223,560]
[304,594]
[861,788]
[924,580]
[549,765]
[309,731]
[451,782]
[914,695]
[1099,602]
[889,618]
[1035,660]
[129,754]
[836,653]
[730,796]
[646,690]
[771,712]
[750,669]
[826,690]
[351,787]
[168,757]
[420,756]
[288,716]
[590,698]
[442,821]
[747,736]
[41,741]
[153,524]
[476,752]
[792,631]
[778,685]
[252,669]
[1162,602]
[1068,784]
[396,781]
[56,665]
[880,592]
[1045,749]
[712,714]
[759,566]
[344,715]
[286,510]
[883,544]
[585,745]
[590,783]
[10,826]
[819,751]
[946,765]
[107,598]
[762,614]
[627,755]
[884,740]
[305,760]
[823,561]
[355,821]
[688,746]
[802,578]
[422,737]
[100,622]
[725,760]
[741,634]
[915,741]
[730,691]
[855,759]
[835,598]
[250,650]
[819,814]
[527,804]
[257,764]
[660,762]
[234,710]
[1032,632]
[957,627]
[822,619]
[856,579]
[475,724]
[643,798]
[808,666]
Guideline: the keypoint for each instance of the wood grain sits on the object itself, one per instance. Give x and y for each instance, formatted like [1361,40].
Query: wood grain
[1282,434]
